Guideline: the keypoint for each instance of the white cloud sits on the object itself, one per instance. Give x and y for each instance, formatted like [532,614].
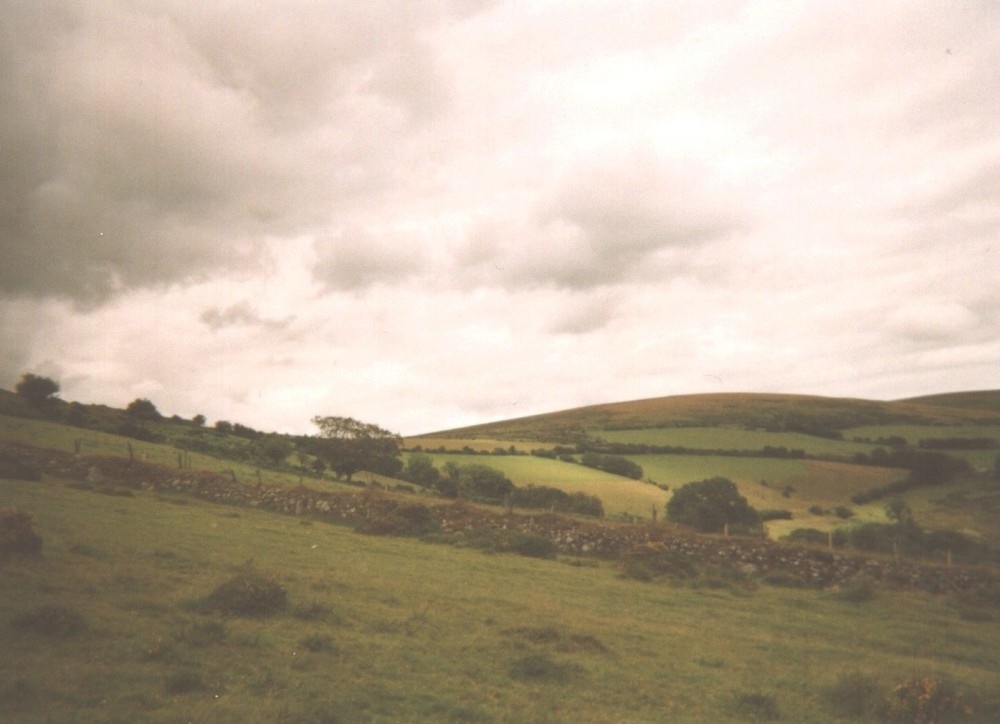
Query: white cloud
[439,213]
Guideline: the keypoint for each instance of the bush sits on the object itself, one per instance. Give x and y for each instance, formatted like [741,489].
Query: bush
[16,469]
[646,565]
[17,534]
[317,643]
[533,545]
[860,590]
[923,701]
[708,505]
[53,620]
[249,593]
[755,706]
[540,667]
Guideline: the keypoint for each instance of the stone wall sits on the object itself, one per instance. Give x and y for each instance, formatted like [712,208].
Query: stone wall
[571,536]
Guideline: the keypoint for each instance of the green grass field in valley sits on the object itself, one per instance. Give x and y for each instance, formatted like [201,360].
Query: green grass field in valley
[386,629]
[619,495]
[733,438]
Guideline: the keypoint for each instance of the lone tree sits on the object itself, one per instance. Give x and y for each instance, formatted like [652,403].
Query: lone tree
[348,445]
[710,505]
[36,390]
[142,409]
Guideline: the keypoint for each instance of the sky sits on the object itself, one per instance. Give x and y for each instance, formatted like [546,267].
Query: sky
[434,213]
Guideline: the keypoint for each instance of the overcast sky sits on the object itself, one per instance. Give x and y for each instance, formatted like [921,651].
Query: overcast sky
[435,213]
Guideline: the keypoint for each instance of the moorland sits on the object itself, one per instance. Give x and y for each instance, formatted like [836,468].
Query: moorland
[156,568]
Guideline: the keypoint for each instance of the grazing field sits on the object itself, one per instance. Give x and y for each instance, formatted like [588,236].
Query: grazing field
[91,442]
[913,434]
[385,629]
[619,495]
[476,444]
[734,438]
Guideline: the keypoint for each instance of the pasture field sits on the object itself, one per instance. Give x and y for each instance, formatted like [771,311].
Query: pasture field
[915,433]
[476,444]
[734,438]
[387,630]
[619,495]
[54,435]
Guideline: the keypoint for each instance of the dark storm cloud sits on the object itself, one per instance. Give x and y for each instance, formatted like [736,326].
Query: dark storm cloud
[147,143]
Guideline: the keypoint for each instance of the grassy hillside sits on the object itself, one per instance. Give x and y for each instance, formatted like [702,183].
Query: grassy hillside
[988,400]
[765,411]
[384,629]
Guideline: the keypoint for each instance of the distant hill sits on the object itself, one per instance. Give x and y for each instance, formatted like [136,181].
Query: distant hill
[778,412]
[980,400]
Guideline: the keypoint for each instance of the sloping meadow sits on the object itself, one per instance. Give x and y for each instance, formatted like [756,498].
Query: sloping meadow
[386,629]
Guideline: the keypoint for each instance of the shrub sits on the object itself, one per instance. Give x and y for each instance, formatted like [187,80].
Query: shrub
[755,706]
[17,534]
[13,467]
[645,565]
[53,620]
[184,682]
[774,514]
[317,643]
[249,593]
[540,667]
[925,700]
[842,511]
[708,505]
[860,590]
[853,696]
[533,545]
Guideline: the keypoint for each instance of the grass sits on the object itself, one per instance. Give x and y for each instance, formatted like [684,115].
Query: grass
[619,495]
[405,631]
[57,436]
[733,438]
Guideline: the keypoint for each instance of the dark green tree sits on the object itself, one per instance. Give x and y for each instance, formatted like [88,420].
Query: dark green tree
[36,390]
[420,469]
[271,449]
[198,420]
[348,446]
[709,505]
[142,409]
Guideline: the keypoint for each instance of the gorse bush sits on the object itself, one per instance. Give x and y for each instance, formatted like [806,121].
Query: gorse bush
[17,534]
[925,700]
[249,593]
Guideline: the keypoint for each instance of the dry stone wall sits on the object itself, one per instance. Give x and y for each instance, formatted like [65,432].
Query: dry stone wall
[571,536]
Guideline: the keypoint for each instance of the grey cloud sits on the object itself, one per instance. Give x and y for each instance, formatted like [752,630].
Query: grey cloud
[633,216]
[241,314]
[583,314]
[148,144]
[356,258]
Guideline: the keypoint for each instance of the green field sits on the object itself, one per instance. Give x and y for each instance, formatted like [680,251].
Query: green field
[733,438]
[383,629]
[915,433]
[619,495]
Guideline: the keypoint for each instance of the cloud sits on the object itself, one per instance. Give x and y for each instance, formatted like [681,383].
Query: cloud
[154,145]
[356,259]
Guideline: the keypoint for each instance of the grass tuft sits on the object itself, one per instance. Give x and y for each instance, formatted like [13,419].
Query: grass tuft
[51,620]
[755,706]
[249,593]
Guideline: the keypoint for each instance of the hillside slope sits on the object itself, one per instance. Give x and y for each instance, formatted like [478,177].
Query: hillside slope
[765,411]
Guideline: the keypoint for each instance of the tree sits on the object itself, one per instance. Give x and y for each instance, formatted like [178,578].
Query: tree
[198,420]
[272,449]
[142,409]
[420,469]
[36,390]
[348,445]
[711,504]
